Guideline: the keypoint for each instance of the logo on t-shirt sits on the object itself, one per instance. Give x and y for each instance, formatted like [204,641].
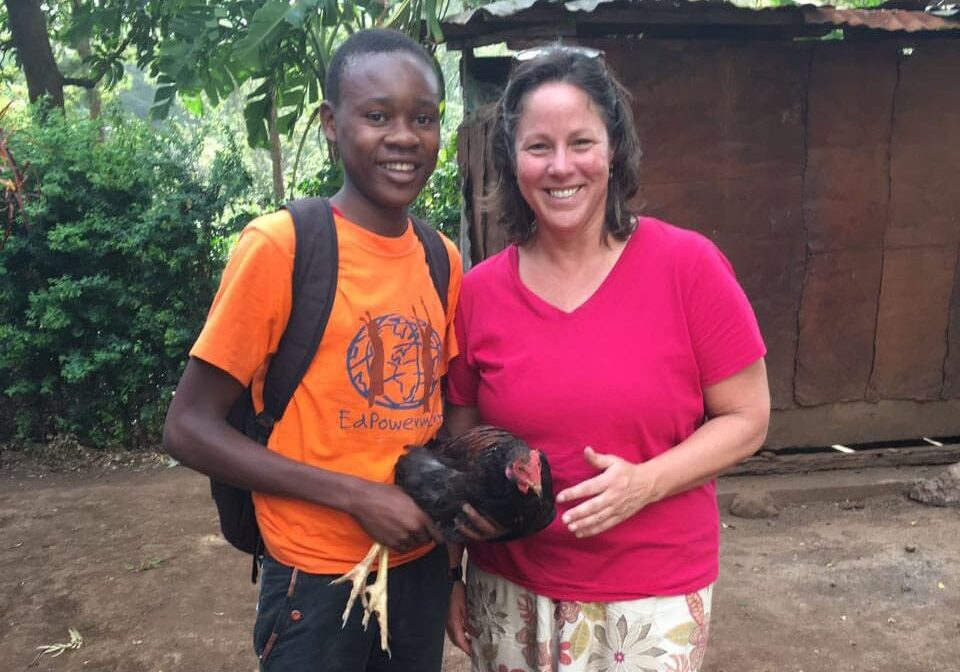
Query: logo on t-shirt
[392,361]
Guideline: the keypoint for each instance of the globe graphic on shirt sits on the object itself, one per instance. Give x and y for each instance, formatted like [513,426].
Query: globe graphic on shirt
[403,375]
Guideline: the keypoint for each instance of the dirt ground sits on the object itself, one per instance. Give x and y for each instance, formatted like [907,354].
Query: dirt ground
[129,557]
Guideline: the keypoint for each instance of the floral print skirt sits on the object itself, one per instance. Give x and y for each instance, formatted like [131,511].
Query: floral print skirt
[515,630]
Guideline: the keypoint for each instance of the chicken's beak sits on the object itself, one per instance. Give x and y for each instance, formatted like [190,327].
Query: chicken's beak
[537,488]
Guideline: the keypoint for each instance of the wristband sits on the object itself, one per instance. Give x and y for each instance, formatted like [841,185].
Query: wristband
[455,573]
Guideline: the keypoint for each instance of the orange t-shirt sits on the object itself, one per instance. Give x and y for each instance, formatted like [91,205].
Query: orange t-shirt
[372,388]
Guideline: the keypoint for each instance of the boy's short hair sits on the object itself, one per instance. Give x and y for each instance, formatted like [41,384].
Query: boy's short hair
[374,41]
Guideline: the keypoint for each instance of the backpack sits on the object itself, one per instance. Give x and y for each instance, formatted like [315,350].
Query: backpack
[315,269]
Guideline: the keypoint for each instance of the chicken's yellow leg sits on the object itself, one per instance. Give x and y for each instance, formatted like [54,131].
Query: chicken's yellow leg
[374,598]
[358,577]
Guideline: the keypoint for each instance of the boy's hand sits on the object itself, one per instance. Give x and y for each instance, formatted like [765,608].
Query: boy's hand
[392,518]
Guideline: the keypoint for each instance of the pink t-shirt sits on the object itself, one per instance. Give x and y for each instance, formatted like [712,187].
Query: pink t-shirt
[624,373]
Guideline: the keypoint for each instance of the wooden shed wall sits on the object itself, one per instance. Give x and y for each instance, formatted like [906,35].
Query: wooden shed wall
[827,173]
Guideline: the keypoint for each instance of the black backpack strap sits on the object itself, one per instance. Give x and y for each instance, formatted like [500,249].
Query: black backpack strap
[315,269]
[437,258]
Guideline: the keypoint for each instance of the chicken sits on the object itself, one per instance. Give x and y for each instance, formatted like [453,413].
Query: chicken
[498,474]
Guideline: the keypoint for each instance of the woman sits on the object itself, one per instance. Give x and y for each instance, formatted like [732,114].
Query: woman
[624,349]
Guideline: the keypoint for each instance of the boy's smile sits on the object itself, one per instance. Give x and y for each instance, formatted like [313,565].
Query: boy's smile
[402,172]
[387,129]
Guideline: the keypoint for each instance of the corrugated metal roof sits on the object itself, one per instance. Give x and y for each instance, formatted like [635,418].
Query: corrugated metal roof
[510,13]
[508,8]
[892,20]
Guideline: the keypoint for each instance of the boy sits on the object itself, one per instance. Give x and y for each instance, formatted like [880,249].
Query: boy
[324,489]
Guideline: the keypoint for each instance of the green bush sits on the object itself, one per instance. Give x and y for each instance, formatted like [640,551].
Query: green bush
[325,182]
[439,202]
[107,278]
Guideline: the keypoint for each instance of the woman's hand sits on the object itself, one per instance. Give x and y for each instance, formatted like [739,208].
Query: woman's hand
[616,493]
[457,618]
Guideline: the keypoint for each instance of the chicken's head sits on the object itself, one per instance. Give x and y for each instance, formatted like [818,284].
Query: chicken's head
[524,470]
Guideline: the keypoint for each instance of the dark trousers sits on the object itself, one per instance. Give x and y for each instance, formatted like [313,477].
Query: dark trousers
[299,618]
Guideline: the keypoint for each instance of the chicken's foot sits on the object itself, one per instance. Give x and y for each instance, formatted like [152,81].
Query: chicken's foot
[373,597]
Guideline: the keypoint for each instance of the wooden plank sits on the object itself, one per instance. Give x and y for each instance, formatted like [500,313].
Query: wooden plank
[482,80]
[475,161]
[911,345]
[466,197]
[771,463]
[951,368]
[924,161]
[838,319]
[716,109]
[863,422]
[846,183]
[495,238]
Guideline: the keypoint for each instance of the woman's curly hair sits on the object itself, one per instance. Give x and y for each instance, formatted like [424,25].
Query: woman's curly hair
[589,74]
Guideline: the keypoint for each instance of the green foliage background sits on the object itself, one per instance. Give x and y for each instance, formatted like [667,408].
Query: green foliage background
[109,273]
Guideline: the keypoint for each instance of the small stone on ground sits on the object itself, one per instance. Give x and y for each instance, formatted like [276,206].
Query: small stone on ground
[942,490]
[754,505]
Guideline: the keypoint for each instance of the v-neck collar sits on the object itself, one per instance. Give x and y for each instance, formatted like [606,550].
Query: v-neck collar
[546,309]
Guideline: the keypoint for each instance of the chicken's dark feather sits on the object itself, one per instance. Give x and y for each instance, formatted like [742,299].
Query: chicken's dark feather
[447,473]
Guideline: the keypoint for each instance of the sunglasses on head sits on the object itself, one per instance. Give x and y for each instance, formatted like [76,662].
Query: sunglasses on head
[544,50]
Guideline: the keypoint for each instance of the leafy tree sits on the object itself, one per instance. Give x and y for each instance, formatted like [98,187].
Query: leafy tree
[275,51]
[106,282]
[281,47]
[29,34]
[439,202]
[98,31]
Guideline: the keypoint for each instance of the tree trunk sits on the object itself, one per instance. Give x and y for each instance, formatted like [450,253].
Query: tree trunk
[276,156]
[30,37]
[93,93]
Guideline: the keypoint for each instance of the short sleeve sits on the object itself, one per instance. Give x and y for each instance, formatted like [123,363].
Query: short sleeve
[251,308]
[721,322]
[462,376]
